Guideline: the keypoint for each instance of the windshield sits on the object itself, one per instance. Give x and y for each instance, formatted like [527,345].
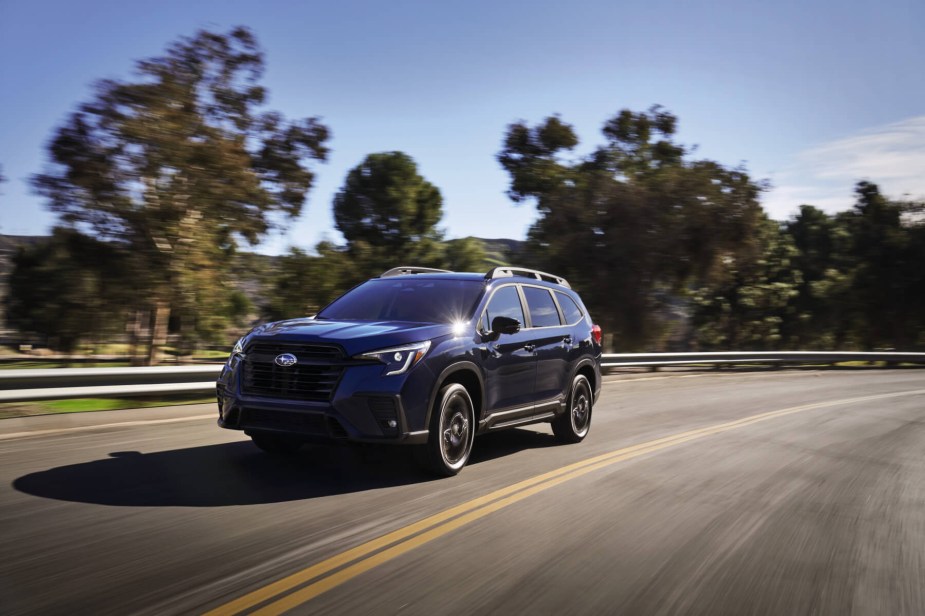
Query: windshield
[419,300]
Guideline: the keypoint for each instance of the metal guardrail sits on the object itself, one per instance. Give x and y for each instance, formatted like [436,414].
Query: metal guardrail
[60,383]
[626,360]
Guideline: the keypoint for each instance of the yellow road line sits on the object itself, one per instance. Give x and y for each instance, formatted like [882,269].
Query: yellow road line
[387,547]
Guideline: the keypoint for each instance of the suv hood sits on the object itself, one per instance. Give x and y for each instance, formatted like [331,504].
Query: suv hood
[353,336]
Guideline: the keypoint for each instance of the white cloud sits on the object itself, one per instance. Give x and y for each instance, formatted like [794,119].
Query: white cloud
[891,156]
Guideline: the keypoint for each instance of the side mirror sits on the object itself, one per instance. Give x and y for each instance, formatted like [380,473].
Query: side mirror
[504,325]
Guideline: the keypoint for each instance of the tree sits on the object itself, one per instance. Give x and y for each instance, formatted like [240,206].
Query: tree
[634,224]
[389,213]
[752,300]
[69,287]
[386,206]
[863,283]
[465,254]
[822,309]
[306,283]
[180,165]
[886,274]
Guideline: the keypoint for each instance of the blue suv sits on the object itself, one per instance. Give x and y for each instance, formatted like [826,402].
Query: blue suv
[423,357]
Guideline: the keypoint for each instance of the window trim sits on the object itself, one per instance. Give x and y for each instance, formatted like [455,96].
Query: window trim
[525,307]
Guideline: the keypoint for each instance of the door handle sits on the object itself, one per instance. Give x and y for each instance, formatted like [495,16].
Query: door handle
[529,347]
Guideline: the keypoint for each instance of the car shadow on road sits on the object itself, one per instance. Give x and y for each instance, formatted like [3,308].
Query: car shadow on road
[239,474]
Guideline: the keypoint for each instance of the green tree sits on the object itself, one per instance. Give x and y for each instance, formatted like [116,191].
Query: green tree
[752,299]
[914,337]
[465,254]
[634,224]
[886,275]
[862,284]
[306,283]
[822,308]
[389,213]
[70,288]
[180,165]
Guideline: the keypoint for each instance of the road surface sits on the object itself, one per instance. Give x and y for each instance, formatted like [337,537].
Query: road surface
[797,492]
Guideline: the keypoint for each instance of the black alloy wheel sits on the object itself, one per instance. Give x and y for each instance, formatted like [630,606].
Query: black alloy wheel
[573,425]
[452,431]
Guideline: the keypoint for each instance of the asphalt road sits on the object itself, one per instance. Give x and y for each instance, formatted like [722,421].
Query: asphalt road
[768,493]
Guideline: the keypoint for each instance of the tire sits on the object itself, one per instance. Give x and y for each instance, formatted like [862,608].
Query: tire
[276,445]
[573,425]
[452,431]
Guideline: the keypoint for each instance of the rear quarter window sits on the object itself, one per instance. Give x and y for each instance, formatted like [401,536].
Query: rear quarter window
[570,309]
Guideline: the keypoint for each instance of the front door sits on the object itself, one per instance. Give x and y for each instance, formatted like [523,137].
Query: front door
[509,363]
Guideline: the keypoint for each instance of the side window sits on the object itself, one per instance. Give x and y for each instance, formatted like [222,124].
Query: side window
[504,303]
[542,308]
[570,309]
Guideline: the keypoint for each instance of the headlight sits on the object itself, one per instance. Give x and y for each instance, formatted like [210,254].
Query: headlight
[398,360]
[238,347]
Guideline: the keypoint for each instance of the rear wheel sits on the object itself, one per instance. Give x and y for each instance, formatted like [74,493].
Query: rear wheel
[276,445]
[573,425]
[452,431]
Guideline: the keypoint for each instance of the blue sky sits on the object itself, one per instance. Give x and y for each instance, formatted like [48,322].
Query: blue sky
[810,95]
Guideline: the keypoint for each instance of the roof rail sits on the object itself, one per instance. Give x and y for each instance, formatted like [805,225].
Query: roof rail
[401,271]
[507,272]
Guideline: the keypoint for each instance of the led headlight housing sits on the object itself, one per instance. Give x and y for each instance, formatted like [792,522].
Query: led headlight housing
[237,354]
[400,359]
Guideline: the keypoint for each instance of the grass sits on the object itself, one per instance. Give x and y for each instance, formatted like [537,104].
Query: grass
[85,405]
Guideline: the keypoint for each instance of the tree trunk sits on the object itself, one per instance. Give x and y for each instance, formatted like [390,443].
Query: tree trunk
[134,336]
[160,315]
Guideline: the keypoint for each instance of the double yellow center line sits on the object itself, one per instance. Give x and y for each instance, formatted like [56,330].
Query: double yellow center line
[294,590]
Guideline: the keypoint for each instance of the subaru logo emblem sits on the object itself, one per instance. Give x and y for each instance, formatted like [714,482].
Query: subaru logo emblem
[285,360]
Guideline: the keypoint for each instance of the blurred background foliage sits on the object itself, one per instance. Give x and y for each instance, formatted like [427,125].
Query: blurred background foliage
[159,183]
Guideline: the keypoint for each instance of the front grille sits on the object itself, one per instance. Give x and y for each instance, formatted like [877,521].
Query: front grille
[313,377]
[294,383]
[305,352]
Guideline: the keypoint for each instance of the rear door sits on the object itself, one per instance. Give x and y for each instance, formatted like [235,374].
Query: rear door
[552,342]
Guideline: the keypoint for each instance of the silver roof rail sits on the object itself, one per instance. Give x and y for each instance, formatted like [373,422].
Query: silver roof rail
[508,272]
[401,271]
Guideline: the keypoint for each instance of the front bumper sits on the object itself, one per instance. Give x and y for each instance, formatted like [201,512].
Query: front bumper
[365,407]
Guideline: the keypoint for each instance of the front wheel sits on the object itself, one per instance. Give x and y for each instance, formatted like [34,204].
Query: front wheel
[573,425]
[452,431]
